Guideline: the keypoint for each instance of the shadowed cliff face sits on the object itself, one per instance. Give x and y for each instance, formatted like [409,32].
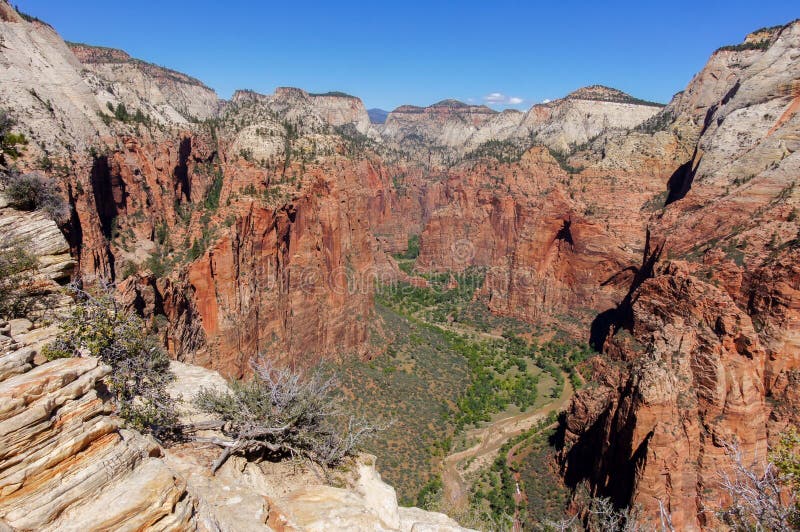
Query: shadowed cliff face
[702,350]
[668,237]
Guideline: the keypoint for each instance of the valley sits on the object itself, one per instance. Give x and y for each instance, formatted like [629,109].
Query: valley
[459,380]
[523,319]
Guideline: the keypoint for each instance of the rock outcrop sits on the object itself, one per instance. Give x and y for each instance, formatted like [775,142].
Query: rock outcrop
[41,237]
[583,115]
[449,130]
[705,344]
[41,85]
[68,464]
[164,95]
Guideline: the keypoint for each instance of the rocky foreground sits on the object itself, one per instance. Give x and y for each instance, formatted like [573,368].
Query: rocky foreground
[67,464]
[665,235]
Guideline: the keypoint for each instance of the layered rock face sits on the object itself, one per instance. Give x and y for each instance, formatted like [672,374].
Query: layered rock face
[165,95]
[265,125]
[450,129]
[67,464]
[41,84]
[583,115]
[448,124]
[543,251]
[705,347]
[294,281]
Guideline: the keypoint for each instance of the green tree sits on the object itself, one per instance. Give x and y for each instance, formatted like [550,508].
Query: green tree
[140,372]
[10,143]
[17,266]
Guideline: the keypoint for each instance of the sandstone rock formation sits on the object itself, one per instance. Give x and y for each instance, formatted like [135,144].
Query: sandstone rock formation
[67,464]
[584,115]
[701,345]
[262,228]
[47,96]
[165,95]
[41,236]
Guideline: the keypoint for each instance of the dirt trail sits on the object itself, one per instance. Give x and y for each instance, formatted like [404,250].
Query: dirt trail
[490,439]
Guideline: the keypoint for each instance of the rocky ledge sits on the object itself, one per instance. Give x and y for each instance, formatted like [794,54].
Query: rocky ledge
[66,463]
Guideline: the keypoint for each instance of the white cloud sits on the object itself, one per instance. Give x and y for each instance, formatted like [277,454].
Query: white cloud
[546,100]
[498,98]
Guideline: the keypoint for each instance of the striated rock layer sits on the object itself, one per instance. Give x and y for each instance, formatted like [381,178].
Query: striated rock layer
[262,228]
[702,352]
[67,464]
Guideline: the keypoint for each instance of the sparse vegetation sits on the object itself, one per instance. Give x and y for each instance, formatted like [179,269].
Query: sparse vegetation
[28,18]
[98,326]
[34,191]
[656,203]
[563,161]
[284,412]
[504,151]
[11,143]
[763,44]
[17,266]
[412,251]
[658,122]
[417,379]
[121,113]
[356,143]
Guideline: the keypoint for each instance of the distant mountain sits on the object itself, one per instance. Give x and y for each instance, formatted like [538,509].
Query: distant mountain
[377,116]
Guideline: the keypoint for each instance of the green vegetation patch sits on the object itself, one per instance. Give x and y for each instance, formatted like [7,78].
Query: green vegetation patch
[418,379]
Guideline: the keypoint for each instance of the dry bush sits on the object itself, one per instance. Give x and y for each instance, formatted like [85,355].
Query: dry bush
[283,412]
[764,496]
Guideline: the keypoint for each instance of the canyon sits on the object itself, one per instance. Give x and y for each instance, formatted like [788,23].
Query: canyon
[666,236]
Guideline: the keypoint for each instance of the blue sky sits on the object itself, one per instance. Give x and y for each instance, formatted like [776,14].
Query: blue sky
[413,52]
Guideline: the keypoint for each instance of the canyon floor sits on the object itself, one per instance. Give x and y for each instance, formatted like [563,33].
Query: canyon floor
[490,438]
[594,301]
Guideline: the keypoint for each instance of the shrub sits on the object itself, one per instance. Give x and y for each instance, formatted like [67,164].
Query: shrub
[16,267]
[9,141]
[429,497]
[283,412]
[412,251]
[763,496]
[34,191]
[140,371]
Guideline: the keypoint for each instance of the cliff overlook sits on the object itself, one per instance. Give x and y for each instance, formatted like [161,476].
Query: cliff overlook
[590,302]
